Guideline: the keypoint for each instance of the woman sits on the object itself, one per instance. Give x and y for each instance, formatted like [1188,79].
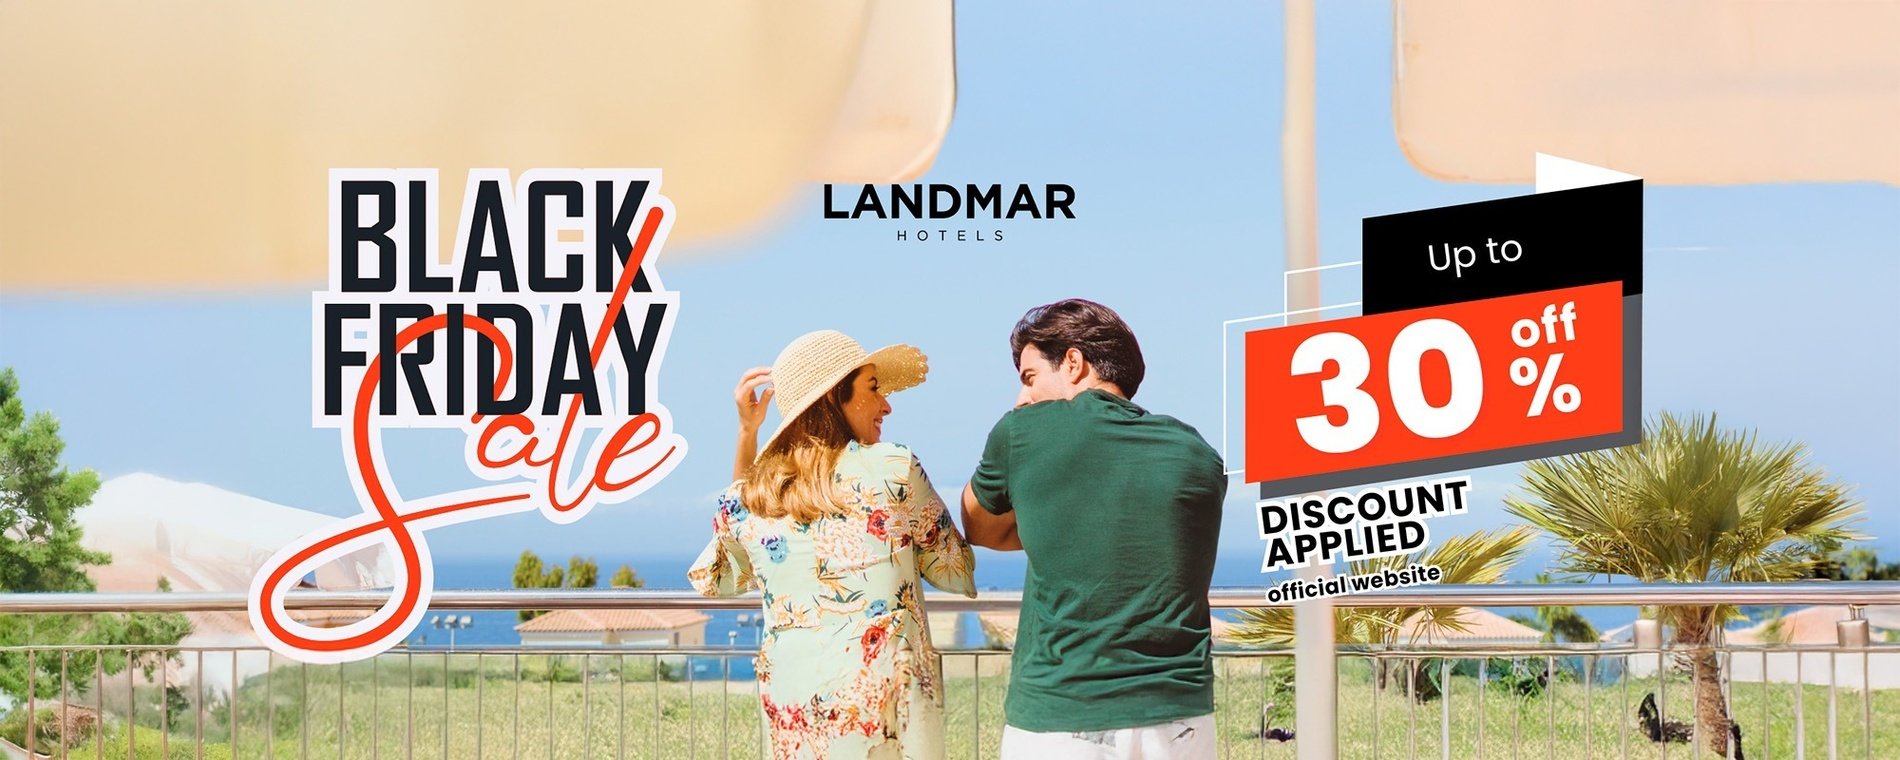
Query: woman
[837,526]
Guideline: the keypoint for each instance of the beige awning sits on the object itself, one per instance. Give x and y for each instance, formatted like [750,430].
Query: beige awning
[188,144]
[1696,92]
[204,538]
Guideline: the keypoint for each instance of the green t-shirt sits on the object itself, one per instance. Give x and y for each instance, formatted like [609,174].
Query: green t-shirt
[1119,512]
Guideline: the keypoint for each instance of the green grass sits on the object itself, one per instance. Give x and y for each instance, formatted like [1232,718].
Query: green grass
[492,714]
[1566,721]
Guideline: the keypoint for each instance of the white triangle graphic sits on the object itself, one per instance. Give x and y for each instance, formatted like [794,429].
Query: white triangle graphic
[1555,173]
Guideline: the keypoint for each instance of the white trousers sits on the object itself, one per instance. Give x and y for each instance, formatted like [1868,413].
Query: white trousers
[1188,739]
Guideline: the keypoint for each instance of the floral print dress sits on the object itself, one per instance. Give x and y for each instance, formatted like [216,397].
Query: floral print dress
[846,669]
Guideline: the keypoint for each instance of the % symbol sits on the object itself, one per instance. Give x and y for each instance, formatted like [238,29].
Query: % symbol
[1566,398]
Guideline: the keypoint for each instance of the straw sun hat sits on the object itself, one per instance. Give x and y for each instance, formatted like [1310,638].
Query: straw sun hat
[816,361]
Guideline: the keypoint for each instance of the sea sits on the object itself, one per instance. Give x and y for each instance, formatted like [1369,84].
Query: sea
[724,630]
[994,572]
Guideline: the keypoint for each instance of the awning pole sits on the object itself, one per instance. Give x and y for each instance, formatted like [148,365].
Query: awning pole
[1315,678]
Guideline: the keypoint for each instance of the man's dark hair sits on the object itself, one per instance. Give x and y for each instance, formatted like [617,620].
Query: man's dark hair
[1096,330]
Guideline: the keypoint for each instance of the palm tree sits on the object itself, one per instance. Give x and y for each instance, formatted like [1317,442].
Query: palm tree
[1860,563]
[1472,558]
[1691,503]
[1563,623]
[1775,628]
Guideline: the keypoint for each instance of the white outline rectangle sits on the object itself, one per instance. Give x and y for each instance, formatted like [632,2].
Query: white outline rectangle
[1285,277]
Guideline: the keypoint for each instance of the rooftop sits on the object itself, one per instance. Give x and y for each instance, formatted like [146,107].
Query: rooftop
[600,621]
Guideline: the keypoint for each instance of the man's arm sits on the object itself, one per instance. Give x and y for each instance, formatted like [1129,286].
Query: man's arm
[987,530]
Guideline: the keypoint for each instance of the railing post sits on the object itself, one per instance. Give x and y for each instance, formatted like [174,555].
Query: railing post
[1800,708]
[1315,675]
[1646,634]
[1853,633]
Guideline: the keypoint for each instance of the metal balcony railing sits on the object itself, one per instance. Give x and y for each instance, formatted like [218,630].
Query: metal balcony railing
[486,701]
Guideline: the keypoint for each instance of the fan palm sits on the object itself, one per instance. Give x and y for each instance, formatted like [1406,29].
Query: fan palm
[1691,503]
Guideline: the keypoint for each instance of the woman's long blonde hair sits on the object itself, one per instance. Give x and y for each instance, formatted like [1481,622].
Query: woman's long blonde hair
[793,478]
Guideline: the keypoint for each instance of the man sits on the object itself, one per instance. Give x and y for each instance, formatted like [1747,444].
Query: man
[1118,510]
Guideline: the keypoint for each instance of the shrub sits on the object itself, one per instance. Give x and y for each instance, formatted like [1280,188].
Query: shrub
[47,730]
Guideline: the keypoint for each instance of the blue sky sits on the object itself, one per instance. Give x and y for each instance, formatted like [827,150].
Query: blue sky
[1769,304]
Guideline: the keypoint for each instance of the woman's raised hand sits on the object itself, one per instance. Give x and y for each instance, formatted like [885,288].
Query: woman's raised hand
[751,403]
